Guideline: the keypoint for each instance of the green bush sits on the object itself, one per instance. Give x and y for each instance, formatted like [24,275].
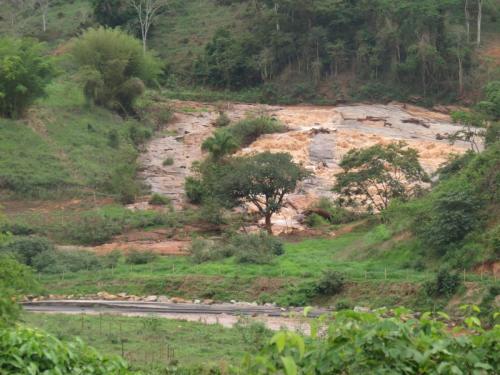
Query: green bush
[330,283]
[445,285]
[248,130]
[122,182]
[194,190]
[16,277]
[9,310]
[338,215]
[113,139]
[159,200]
[258,248]
[203,250]
[168,161]
[316,221]
[55,262]
[113,68]
[369,343]
[454,214]
[30,351]
[111,259]
[92,228]
[140,257]
[24,73]
[25,249]
[222,120]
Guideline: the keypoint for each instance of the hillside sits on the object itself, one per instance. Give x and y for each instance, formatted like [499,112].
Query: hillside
[257,187]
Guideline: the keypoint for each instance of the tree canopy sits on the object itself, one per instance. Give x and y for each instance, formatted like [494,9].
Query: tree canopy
[113,67]
[375,175]
[262,180]
[25,71]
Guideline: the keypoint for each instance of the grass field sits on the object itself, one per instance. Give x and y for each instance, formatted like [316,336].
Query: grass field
[152,344]
[62,145]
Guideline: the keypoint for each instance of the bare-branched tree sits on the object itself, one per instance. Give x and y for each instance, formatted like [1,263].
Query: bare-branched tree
[146,11]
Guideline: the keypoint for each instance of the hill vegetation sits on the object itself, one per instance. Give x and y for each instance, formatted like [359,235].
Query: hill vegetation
[80,96]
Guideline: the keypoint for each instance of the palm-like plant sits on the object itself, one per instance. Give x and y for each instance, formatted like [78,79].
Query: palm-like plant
[222,143]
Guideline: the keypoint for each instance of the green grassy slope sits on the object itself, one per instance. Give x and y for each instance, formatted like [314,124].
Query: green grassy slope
[62,145]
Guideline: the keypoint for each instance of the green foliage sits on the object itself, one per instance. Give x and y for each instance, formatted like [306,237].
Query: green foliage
[194,190]
[122,182]
[26,249]
[248,130]
[15,277]
[226,62]
[453,215]
[9,310]
[24,74]
[113,139]
[140,257]
[57,262]
[113,68]
[334,213]
[316,221]
[491,103]
[222,143]
[159,200]
[258,248]
[358,343]
[29,351]
[446,284]
[168,162]
[222,121]
[374,176]
[263,180]
[112,13]
[330,283]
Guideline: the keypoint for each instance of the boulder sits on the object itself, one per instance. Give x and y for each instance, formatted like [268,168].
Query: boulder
[151,299]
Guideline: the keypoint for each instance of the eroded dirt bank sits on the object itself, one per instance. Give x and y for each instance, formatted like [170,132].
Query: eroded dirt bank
[317,137]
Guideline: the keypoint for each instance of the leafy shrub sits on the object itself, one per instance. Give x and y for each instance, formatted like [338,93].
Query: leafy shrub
[66,261]
[248,130]
[338,215]
[159,200]
[194,190]
[25,249]
[92,228]
[203,250]
[140,257]
[113,139]
[168,161]
[368,343]
[222,120]
[9,311]
[445,284]
[24,74]
[316,221]
[14,276]
[138,135]
[254,334]
[24,348]
[17,228]
[111,259]
[330,283]
[113,68]
[258,248]
[122,182]
[454,214]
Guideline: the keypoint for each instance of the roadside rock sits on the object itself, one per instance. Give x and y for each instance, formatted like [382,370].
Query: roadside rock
[151,299]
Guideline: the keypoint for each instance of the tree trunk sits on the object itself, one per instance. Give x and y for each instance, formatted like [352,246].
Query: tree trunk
[467,19]
[44,22]
[269,227]
[479,20]
[460,76]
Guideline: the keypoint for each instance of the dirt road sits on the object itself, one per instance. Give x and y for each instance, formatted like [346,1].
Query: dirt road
[227,315]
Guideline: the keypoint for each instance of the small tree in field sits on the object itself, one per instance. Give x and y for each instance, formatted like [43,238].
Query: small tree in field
[263,180]
[113,68]
[373,176]
[24,74]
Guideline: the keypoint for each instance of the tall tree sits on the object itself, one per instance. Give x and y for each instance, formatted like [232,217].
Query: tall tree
[262,180]
[373,176]
[146,11]
[44,6]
